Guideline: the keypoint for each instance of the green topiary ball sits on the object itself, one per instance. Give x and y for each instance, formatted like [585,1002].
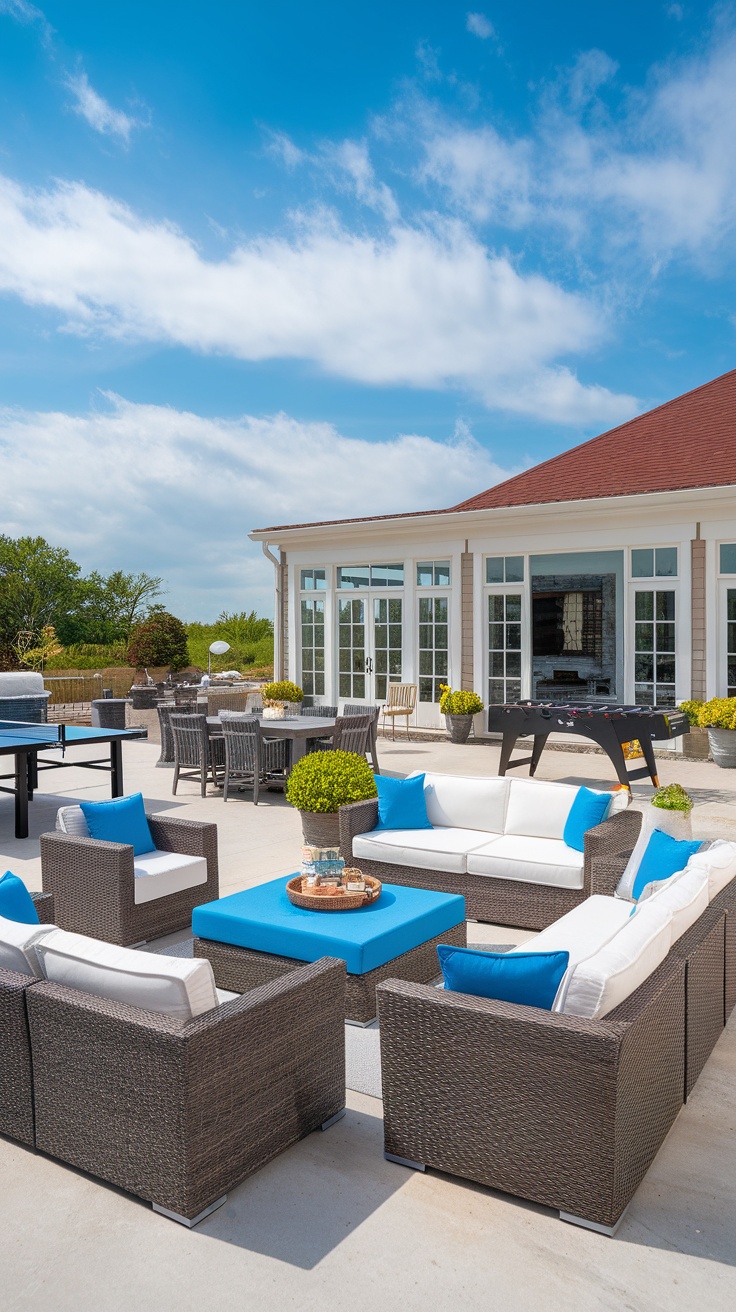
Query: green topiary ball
[283,691]
[325,781]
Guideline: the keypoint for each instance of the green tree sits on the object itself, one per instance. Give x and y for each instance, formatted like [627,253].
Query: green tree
[113,606]
[39,585]
[159,640]
[241,627]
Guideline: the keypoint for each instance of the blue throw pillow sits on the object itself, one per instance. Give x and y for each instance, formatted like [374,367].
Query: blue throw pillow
[401,803]
[530,978]
[123,820]
[663,856]
[16,902]
[586,812]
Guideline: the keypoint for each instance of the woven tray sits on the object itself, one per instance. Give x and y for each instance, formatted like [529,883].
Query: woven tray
[340,902]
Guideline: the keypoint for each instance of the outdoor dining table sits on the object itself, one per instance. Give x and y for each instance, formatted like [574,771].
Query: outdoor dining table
[297,729]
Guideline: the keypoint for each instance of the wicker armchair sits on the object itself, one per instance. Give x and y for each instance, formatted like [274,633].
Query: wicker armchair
[93,882]
[16,1069]
[505,901]
[180,1112]
[196,755]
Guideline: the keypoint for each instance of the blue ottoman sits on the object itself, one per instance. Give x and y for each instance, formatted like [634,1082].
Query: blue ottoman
[256,935]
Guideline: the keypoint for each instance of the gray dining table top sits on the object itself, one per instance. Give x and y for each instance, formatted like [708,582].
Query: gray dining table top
[298,726]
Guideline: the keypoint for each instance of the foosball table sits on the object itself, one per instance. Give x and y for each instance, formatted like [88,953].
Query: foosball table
[611,727]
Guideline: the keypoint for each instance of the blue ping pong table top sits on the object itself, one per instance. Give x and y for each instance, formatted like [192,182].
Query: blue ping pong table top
[73,733]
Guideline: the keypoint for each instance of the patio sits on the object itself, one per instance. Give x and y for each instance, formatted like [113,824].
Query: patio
[330,1222]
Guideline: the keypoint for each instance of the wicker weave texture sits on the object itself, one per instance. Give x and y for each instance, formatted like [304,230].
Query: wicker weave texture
[93,882]
[543,1106]
[240,969]
[498,901]
[180,1113]
[16,1071]
[705,1018]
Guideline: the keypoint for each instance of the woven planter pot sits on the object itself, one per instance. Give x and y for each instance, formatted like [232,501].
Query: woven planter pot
[458,727]
[723,747]
[695,745]
[321,830]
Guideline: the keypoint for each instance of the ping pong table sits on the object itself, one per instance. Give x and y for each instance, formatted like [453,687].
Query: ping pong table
[25,741]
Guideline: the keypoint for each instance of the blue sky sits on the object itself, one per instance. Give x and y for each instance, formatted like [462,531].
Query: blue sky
[261,264]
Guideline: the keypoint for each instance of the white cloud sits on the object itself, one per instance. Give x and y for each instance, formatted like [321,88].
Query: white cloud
[149,487]
[352,157]
[420,306]
[480,26]
[100,115]
[488,175]
[282,148]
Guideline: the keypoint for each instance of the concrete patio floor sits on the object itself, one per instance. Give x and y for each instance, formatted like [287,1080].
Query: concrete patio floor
[330,1224]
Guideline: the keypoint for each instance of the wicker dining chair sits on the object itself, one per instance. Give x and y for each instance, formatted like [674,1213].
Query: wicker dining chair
[402,699]
[195,754]
[249,754]
[165,711]
[186,696]
[319,712]
[353,734]
[362,708]
[226,701]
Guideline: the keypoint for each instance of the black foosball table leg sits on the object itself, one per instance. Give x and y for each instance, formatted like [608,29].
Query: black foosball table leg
[607,739]
[540,742]
[648,754]
[507,746]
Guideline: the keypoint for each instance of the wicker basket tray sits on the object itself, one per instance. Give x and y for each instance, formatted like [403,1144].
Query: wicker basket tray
[339,902]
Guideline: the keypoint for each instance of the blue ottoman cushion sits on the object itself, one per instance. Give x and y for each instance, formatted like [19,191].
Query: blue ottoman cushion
[264,920]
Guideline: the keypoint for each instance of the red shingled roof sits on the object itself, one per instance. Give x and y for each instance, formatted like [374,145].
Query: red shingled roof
[686,443]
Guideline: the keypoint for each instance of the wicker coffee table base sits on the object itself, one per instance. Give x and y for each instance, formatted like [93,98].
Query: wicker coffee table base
[242,969]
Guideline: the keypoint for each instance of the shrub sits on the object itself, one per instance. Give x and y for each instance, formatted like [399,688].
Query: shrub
[325,781]
[283,691]
[692,711]
[672,797]
[159,640]
[718,713]
[459,703]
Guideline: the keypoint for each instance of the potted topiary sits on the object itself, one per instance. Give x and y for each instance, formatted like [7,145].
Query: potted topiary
[319,784]
[458,709]
[718,716]
[671,810]
[281,697]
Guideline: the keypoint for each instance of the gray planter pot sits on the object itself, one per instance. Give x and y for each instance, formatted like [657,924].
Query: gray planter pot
[723,747]
[678,824]
[458,727]
[321,830]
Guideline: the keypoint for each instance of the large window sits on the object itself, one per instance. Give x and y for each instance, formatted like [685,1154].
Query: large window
[433,574]
[727,557]
[387,644]
[654,562]
[370,576]
[505,569]
[504,647]
[314,579]
[433,647]
[313,645]
[654,648]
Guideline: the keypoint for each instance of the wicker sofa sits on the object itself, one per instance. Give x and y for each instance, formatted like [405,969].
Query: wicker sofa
[468,816]
[565,1111]
[96,890]
[16,1072]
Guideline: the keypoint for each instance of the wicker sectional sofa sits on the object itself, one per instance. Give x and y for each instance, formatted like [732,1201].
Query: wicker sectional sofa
[471,818]
[16,1071]
[565,1111]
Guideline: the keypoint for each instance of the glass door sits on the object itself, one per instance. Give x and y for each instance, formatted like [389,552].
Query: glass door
[727,640]
[504,647]
[370,646]
[654,647]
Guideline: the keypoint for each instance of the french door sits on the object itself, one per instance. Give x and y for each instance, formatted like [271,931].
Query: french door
[369,646]
[727,639]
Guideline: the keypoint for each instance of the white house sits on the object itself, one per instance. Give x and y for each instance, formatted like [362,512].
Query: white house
[608,572]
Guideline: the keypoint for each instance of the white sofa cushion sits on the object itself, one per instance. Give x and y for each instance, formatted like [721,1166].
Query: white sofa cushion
[21,683]
[602,981]
[177,986]
[466,802]
[530,860]
[718,862]
[159,873]
[685,896]
[540,809]
[72,820]
[443,848]
[18,943]
[582,931]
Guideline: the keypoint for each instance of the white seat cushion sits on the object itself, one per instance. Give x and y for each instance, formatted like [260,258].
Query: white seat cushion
[443,848]
[157,874]
[18,943]
[602,981]
[684,895]
[582,931]
[177,986]
[530,860]
[223,995]
[466,802]
[718,862]
[540,809]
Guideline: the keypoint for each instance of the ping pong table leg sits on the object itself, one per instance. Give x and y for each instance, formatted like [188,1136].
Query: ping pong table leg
[22,766]
[116,768]
[540,740]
